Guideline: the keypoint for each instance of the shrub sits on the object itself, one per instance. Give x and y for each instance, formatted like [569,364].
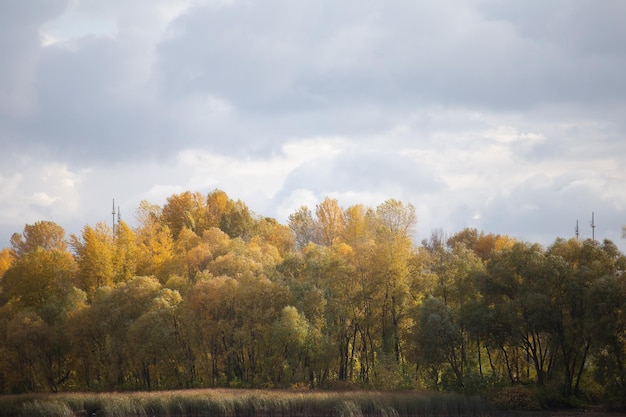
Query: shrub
[515,397]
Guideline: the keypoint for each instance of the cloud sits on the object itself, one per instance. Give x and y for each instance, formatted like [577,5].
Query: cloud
[505,117]
[19,44]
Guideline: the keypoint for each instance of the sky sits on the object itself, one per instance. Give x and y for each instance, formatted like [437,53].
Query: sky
[508,117]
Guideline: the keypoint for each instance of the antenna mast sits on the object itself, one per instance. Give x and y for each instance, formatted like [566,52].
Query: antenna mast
[576,229]
[593,227]
[113,213]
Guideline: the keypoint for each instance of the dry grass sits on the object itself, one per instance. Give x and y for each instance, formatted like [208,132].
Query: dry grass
[240,403]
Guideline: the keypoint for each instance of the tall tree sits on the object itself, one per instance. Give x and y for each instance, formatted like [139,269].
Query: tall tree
[514,289]
[154,243]
[125,253]
[439,342]
[394,224]
[303,227]
[330,221]
[212,318]
[574,270]
[94,256]
[156,356]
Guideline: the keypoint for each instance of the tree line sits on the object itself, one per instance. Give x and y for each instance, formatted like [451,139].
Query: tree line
[205,293]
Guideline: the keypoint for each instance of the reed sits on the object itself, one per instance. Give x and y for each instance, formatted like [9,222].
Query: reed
[244,403]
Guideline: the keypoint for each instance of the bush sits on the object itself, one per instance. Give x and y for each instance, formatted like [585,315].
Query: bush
[516,397]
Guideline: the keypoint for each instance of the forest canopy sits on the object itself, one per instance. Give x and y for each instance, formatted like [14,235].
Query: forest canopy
[205,293]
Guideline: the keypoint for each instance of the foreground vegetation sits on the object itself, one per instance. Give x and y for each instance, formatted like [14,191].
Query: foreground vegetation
[204,294]
[240,403]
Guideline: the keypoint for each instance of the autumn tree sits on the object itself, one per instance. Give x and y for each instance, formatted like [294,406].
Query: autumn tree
[482,244]
[270,231]
[7,257]
[115,310]
[329,220]
[40,279]
[40,291]
[185,210]
[44,234]
[218,203]
[394,225]
[323,286]
[154,243]
[94,257]
[191,254]
[125,253]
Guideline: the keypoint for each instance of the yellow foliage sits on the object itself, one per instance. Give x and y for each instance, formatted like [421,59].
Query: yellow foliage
[7,257]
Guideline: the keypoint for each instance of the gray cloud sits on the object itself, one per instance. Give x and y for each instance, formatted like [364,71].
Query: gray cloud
[455,107]
[19,46]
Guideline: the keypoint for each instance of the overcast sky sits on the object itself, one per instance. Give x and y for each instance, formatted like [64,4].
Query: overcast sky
[505,116]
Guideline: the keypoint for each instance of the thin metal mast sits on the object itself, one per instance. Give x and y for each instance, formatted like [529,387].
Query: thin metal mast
[577,233]
[113,213]
[593,227]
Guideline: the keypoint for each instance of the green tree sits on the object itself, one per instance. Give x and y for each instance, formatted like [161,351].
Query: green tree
[289,338]
[575,269]
[607,299]
[237,221]
[439,342]
[212,316]
[157,356]
[115,310]
[515,291]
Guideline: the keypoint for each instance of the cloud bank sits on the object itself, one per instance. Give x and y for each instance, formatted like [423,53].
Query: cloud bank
[504,117]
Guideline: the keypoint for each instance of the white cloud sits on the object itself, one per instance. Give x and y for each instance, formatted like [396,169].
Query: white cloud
[42,199]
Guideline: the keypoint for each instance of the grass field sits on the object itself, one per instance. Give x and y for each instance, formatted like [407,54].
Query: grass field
[239,403]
